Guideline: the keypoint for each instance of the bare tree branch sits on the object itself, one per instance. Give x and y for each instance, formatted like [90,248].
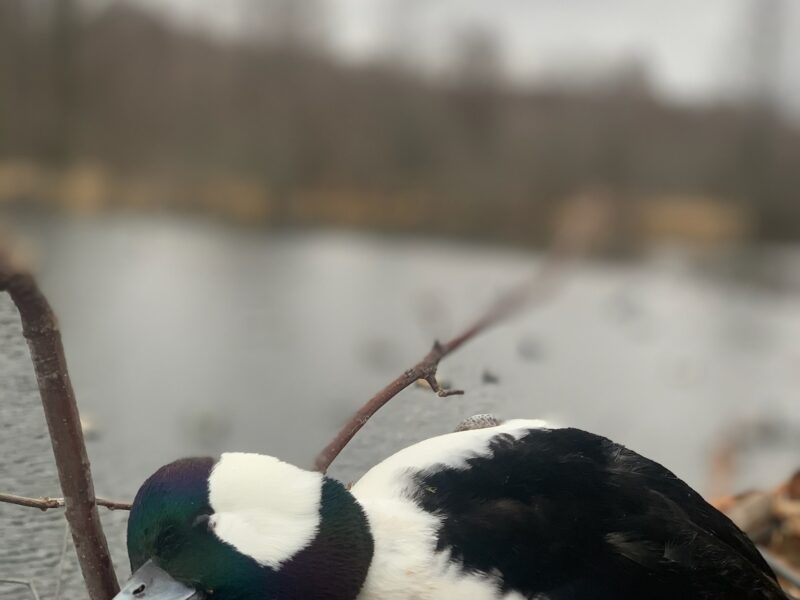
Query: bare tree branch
[48,503]
[582,222]
[40,329]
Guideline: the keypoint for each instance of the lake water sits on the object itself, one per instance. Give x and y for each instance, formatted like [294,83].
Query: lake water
[187,337]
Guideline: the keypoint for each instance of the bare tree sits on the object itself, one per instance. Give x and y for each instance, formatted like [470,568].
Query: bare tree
[289,24]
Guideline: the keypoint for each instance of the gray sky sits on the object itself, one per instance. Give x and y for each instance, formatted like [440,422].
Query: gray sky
[694,49]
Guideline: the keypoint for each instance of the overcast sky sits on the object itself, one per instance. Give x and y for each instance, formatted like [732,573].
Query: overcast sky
[694,49]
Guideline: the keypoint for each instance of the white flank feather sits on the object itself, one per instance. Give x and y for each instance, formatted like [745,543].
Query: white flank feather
[405,563]
[390,477]
[264,507]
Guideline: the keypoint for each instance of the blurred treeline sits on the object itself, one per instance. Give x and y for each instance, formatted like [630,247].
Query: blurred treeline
[119,107]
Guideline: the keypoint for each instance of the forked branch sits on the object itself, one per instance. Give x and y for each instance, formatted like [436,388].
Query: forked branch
[579,227]
[40,329]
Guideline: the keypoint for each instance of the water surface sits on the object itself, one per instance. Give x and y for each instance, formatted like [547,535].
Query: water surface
[185,338]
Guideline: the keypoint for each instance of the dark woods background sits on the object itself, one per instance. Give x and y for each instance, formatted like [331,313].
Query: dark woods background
[113,105]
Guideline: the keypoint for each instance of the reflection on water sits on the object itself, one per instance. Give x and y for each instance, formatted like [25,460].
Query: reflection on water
[189,338]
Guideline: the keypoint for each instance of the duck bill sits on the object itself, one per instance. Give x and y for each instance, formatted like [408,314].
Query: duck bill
[150,582]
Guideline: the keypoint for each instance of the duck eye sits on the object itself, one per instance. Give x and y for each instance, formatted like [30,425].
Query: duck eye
[139,590]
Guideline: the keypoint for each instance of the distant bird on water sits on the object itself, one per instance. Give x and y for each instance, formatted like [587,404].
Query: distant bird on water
[495,511]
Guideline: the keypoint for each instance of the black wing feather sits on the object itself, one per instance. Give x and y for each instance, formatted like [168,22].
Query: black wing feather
[563,514]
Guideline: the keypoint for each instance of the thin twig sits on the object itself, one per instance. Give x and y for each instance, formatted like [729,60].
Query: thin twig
[62,561]
[48,503]
[579,227]
[41,331]
[27,583]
